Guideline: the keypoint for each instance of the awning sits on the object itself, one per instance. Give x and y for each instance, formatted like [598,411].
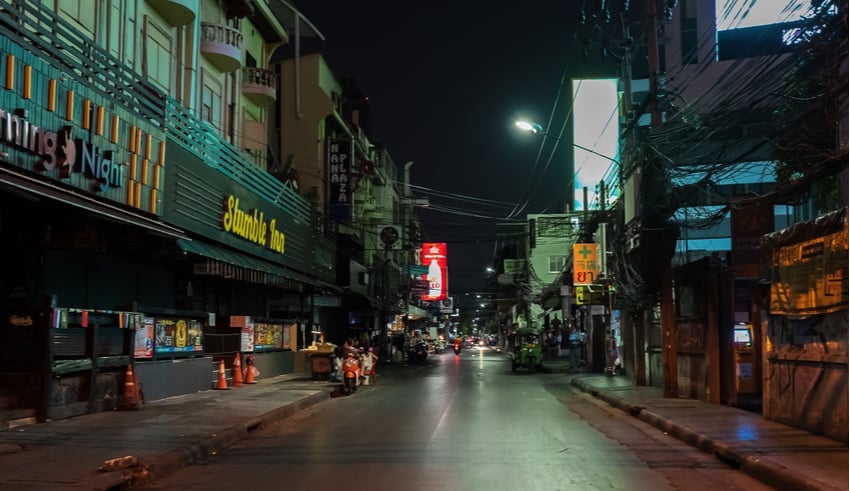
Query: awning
[68,196]
[241,260]
[414,312]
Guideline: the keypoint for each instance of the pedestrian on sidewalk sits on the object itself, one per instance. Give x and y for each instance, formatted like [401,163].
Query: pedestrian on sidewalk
[575,348]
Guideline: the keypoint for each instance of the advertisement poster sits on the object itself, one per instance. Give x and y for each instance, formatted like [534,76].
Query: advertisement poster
[178,336]
[246,324]
[434,257]
[289,335]
[144,335]
[267,336]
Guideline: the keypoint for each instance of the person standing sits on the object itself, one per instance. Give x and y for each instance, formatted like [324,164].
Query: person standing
[575,348]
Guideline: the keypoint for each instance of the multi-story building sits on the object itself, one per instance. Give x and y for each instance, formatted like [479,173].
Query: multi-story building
[141,225]
[707,193]
[325,140]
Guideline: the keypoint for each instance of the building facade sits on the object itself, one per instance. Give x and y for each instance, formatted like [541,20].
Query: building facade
[141,223]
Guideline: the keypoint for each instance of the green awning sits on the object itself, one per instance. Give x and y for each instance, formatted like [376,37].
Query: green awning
[239,259]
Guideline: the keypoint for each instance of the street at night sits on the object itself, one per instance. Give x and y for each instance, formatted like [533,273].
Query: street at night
[462,423]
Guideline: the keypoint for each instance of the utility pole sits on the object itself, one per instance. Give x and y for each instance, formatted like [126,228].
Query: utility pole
[668,316]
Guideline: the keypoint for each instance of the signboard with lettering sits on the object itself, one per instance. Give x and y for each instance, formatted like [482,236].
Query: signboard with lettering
[339,158]
[586,266]
[434,257]
[251,225]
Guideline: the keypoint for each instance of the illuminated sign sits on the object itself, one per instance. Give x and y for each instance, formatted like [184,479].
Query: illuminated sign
[596,138]
[59,150]
[434,257]
[252,226]
[586,267]
[339,174]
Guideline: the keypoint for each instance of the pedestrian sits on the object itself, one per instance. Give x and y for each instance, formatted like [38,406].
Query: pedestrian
[575,347]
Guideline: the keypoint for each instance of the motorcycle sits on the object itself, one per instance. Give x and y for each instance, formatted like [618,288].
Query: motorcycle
[350,367]
[418,353]
[457,347]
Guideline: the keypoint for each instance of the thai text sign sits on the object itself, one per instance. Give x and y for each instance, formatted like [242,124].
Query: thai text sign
[586,266]
[810,277]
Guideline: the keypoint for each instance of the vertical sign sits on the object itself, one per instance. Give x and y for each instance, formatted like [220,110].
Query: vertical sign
[596,138]
[434,257]
[585,263]
[339,175]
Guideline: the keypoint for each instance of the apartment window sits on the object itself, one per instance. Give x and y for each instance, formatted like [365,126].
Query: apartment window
[211,103]
[556,263]
[120,29]
[158,56]
[690,44]
[80,13]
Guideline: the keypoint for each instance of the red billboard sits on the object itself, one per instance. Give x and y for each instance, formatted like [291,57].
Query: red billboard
[434,257]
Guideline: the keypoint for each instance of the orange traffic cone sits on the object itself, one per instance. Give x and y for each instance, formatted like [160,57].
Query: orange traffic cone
[140,395]
[249,370]
[222,378]
[129,399]
[237,371]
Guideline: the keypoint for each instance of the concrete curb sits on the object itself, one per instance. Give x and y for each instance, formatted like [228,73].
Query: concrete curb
[749,461]
[171,461]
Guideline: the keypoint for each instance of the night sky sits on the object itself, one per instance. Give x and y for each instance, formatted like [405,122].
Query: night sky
[445,81]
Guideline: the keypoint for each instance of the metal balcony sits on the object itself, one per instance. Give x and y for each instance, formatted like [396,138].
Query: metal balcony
[175,12]
[259,85]
[222,46]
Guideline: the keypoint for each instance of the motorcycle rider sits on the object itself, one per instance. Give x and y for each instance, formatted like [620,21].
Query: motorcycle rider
[457,344]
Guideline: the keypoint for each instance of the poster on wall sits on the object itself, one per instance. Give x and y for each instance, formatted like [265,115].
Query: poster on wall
[144,329]
[246,324]
[268,336]
[289,335]
[175,335]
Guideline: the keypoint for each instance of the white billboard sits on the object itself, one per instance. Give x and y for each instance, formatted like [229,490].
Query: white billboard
[596,141]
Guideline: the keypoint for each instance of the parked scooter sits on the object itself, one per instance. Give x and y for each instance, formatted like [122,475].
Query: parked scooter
[418,352]
[350,367]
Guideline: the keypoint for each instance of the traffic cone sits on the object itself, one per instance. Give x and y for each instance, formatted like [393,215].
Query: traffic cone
[237,371]
[129,399]
[140,395]
[222,378]
[249,373]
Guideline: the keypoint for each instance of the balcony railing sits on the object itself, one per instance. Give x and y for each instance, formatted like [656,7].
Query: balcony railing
[175,12]
[222,45]
[259,85]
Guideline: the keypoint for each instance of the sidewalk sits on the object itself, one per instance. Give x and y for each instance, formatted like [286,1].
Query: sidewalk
[158,439]
[165,435]
[778,455]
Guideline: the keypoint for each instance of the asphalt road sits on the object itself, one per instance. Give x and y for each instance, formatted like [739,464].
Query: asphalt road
[461,423]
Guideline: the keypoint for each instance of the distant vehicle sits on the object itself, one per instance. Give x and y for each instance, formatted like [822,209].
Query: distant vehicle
[527,350]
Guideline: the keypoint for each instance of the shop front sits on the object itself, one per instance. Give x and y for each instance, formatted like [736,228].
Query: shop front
[82,242]
[251,263]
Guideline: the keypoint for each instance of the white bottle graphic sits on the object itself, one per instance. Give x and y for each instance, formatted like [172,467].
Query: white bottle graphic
[435,279]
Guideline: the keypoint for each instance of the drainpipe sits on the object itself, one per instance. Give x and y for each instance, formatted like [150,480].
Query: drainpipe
[407,167]
[298,113]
